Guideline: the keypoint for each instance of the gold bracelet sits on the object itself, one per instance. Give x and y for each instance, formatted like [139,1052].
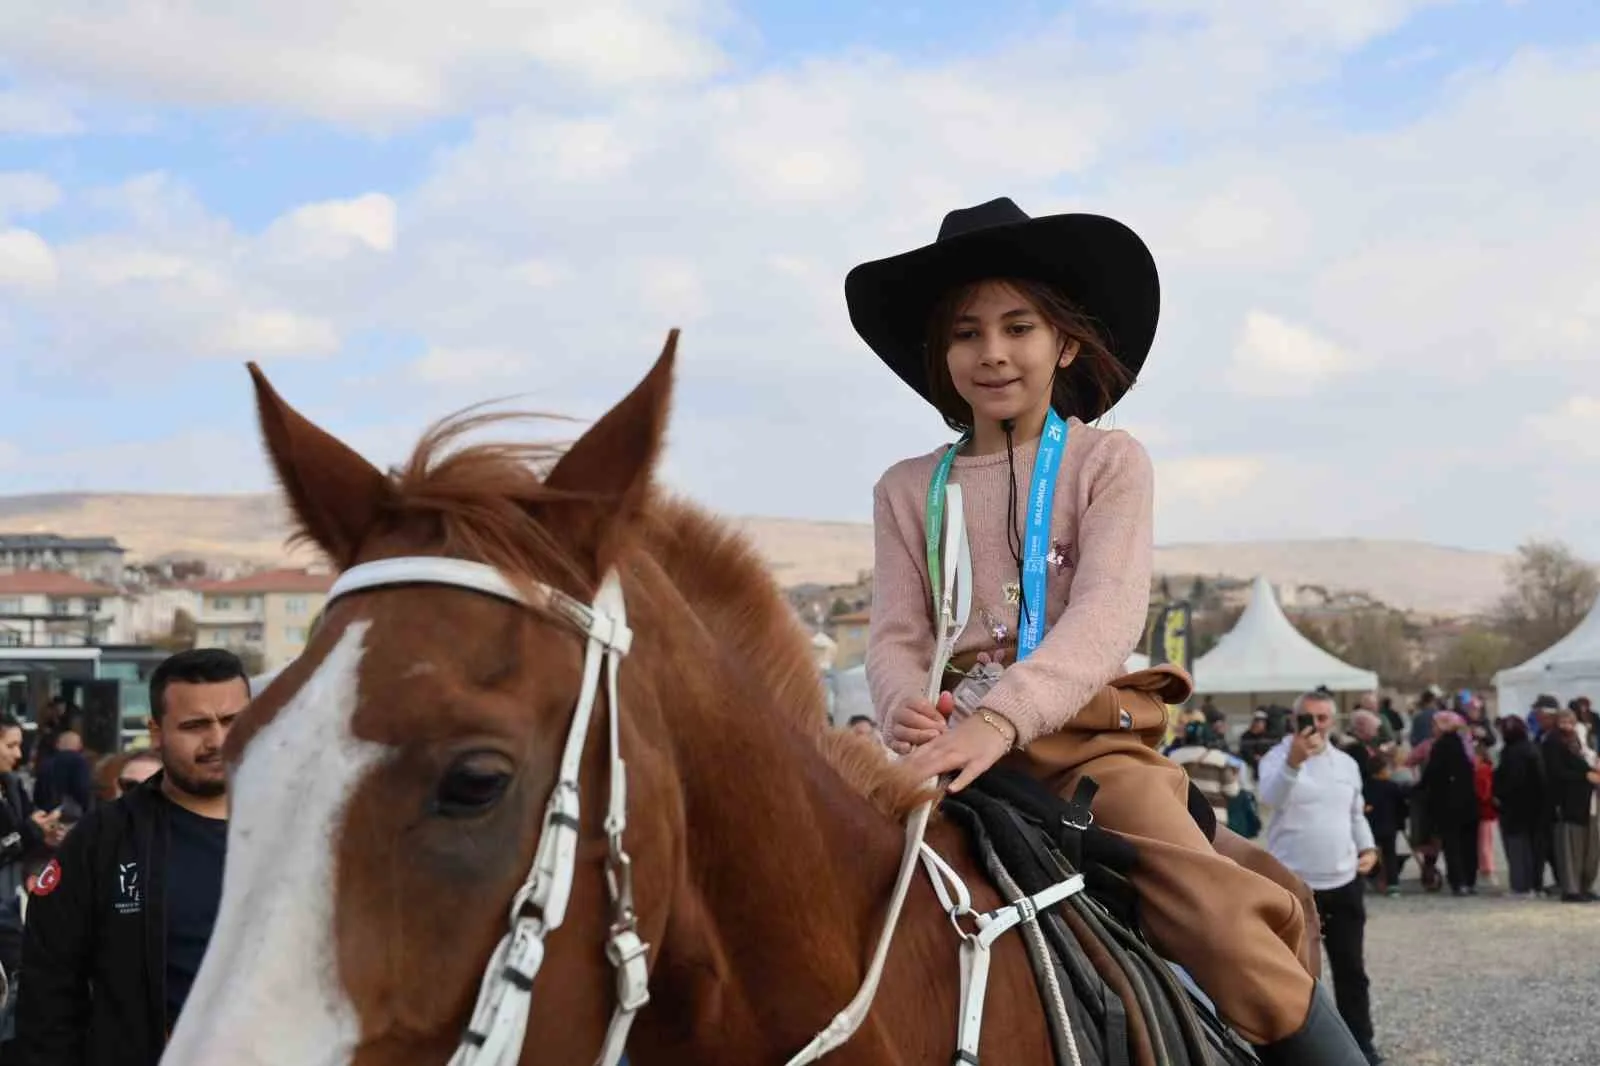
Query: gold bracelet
[995,720]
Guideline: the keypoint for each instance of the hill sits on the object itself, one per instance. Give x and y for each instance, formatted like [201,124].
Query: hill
[250,528]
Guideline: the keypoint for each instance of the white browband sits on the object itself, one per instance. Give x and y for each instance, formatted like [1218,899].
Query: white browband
[499,1022]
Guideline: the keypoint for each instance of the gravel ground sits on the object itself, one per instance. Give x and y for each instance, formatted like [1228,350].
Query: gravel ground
[1451,978]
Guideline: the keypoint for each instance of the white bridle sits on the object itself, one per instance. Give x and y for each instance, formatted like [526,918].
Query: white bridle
[499,1021]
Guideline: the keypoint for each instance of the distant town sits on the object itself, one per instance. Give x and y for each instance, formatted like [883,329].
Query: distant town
[80,613]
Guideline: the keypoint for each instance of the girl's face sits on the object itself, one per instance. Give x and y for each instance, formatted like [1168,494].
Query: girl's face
[1004,355]
[10,749]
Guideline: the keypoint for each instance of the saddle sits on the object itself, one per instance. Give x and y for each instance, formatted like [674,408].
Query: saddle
[1109,998]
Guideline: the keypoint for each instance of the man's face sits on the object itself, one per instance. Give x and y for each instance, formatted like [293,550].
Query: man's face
[1321,712]
[190,733]
[1567,722]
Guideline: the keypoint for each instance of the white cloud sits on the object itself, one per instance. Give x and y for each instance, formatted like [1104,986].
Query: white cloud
[475,366]
[1394,273]
[1348,24]
[26,193]
[24,115]
[349,61]
[26,261]
[1278,358]
[1573,427]
[1209,479]
[274,332]
[333,229]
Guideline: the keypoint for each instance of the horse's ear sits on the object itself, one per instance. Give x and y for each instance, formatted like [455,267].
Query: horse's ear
[607,473]
[335,495]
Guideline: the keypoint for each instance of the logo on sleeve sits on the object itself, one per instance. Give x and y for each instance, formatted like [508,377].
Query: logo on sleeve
[49,879]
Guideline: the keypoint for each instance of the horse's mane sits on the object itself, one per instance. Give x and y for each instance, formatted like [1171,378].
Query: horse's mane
[483,501]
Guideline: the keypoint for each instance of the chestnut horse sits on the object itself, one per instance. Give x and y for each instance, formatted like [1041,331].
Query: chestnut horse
[389,787]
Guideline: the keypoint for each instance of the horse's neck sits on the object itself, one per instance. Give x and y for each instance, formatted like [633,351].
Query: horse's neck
[783,901]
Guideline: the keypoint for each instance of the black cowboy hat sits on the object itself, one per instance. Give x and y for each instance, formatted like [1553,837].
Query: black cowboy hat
[1098,262]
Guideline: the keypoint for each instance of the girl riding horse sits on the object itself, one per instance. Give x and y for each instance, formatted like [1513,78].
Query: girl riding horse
[1021,332]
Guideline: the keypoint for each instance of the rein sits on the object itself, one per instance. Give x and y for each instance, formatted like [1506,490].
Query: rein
[495,1034]
[952,604]
[952,609]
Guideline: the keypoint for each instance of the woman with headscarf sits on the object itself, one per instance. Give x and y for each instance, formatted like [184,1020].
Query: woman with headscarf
[1449,791]
[1519,789]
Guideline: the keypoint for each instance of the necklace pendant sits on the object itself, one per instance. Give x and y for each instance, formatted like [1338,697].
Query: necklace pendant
[1013,592]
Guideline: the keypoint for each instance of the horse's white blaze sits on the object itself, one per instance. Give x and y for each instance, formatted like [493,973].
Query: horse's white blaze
[267,993]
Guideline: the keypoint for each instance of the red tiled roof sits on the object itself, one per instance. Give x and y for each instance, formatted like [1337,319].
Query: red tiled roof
[854,618]
[49,583]
[269,581]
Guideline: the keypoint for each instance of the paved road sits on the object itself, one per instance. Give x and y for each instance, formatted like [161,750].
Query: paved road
[1484,981]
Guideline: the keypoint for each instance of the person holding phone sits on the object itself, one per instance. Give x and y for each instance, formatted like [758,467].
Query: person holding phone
[1319,830]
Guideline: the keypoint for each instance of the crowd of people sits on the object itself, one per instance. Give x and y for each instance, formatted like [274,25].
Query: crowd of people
[1438,782]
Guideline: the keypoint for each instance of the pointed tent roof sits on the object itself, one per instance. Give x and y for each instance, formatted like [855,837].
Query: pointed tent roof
[1264,653]
[1579,648]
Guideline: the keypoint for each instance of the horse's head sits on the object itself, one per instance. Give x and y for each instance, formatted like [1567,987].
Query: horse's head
[389,787]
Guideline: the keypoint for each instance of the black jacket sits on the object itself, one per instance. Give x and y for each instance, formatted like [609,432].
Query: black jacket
[92,989]
[20,842]
[1388,806]
[1566,774]
[1449,785]
[1520,789]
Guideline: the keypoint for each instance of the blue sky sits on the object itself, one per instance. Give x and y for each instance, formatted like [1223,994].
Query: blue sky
[1374,229]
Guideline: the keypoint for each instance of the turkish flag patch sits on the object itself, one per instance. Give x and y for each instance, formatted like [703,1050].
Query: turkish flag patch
[49,879]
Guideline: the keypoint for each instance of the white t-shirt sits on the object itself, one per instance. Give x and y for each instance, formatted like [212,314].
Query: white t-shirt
[1318,826]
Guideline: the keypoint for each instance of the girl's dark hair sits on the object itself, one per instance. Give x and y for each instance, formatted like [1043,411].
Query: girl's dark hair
[1088,386]
[1513,728]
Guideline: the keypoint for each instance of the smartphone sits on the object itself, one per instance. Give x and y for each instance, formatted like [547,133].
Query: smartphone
[1303,722]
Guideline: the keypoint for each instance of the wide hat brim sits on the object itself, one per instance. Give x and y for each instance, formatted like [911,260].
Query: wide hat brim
[1098,262]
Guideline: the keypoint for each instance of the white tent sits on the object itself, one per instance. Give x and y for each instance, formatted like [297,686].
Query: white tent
[1264,655]
[1567,669]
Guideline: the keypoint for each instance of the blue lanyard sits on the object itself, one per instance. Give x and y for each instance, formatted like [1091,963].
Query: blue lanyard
[1036,537]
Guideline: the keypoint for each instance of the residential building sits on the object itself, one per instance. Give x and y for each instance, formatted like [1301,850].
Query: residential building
[268,613]
[849,634]
[48,609]
[91,558]
[148,614]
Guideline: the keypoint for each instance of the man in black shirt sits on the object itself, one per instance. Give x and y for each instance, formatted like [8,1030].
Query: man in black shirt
[119,921]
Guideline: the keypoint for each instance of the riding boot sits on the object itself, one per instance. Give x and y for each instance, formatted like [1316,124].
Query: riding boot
[1324,1040]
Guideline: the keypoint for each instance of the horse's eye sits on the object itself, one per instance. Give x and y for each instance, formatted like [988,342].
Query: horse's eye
[472,785]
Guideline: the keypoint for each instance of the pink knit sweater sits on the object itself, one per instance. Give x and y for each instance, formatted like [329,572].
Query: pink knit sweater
[1098,587]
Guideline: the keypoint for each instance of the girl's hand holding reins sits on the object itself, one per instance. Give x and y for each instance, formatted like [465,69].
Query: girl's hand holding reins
[917,722]
[971,747]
